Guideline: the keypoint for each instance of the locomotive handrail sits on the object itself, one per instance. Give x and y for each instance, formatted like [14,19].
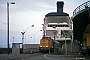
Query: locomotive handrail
[81,7]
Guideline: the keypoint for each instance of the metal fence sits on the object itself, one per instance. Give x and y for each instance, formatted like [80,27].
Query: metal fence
[81,7]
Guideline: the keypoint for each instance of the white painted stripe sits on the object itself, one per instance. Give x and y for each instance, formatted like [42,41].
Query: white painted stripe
[49,57]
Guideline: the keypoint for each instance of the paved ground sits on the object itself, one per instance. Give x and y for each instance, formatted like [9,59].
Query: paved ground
[6,56]
[19,56]
[69,54]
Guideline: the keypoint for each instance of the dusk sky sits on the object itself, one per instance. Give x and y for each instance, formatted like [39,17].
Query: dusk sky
[25,13]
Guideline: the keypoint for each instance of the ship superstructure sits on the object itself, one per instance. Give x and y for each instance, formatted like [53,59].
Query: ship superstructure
[57,24]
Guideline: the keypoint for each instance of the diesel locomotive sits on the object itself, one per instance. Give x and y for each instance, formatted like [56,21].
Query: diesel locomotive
[47,44]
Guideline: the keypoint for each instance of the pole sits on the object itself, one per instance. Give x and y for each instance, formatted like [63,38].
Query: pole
[54,37]
[25,37]
[34,37]
[8,26]
[35,34]
[28,40]
[65,45]
[89,13]
[13,39]
[22,40]
[25,32]
[72,43]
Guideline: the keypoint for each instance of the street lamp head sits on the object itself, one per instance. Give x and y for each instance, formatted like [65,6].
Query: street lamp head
[22,33]
[40,30]
[30,37]
[32,26]
[12,3]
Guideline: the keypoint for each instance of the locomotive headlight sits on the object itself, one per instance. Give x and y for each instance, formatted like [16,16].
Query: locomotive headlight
[40,46]
[46,46]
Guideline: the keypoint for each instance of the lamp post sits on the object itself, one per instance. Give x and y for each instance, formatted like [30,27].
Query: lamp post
[8,24]
[44,28]
[35,34]
[25,32]
[55,32]
[25,36]
[22,40]
[28,40]
[71,28]
[65,45]
[13,39]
